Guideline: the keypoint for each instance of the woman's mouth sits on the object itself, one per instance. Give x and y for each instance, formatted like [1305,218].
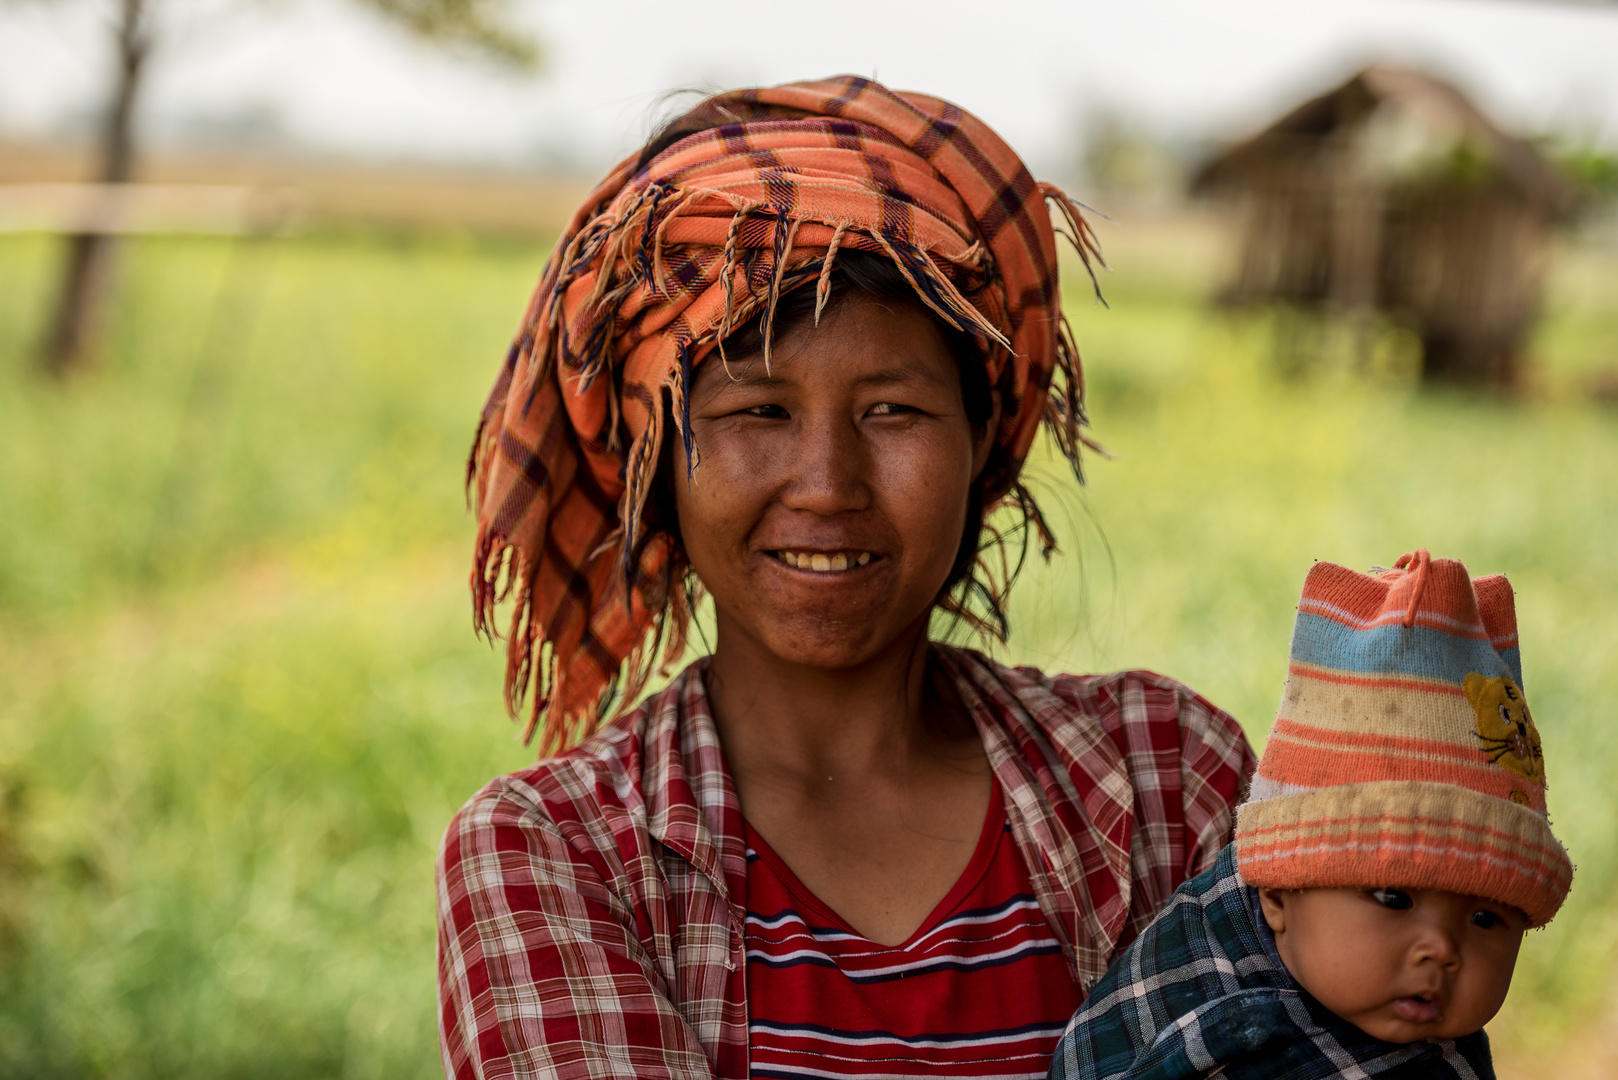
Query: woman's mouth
[821,562]
[1417,1009]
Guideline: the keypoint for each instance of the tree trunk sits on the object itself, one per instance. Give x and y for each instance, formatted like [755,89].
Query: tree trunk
[87,274]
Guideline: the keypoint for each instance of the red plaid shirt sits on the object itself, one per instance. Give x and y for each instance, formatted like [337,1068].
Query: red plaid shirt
[591,908]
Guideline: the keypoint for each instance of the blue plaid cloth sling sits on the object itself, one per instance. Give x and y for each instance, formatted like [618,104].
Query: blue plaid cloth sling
[1202,992]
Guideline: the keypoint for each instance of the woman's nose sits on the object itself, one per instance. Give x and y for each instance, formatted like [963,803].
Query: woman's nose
[829,466]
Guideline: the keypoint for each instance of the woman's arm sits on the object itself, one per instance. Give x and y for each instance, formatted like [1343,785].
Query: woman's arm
[541,971]
[1189,764]
[1216,764]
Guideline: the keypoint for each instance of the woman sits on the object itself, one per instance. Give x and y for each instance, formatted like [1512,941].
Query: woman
[791,354]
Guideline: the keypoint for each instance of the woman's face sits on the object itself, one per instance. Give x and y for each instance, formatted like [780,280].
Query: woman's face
[832,490]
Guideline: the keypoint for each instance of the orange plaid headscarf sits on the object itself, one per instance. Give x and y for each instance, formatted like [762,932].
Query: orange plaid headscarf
[662,262]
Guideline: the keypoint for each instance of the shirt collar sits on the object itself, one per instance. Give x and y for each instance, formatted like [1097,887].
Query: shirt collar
[691,804]
[1076,844]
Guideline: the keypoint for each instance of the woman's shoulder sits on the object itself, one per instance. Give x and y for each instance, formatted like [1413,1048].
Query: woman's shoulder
[1060,700]
[595,792]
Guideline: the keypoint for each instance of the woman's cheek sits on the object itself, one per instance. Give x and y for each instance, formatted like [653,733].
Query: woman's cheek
[725,496]
[930,484]
[745,455]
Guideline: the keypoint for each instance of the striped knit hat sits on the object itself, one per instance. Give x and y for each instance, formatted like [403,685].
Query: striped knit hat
[1404,754]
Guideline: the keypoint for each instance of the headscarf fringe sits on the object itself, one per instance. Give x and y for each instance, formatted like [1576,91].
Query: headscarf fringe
[785,234]
[727,279]
[935,289]
[679,389]
[1065,414]
[660,242]
[639,475]
[584,346]
[1078,232]
[827,261]
[1064,399]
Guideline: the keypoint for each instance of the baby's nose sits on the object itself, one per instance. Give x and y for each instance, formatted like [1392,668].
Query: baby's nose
[1437,944]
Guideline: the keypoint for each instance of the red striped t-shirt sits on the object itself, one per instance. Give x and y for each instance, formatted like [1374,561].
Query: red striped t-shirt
[981,989]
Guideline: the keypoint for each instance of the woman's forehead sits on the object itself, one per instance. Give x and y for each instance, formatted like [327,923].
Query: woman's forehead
[863,341]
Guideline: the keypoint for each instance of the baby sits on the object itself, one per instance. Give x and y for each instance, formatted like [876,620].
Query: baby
[1392,851]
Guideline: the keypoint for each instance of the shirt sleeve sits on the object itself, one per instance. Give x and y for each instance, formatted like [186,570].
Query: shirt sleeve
[541,972]
[1189,763]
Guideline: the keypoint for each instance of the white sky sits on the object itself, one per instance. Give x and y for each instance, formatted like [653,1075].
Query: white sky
[333,77]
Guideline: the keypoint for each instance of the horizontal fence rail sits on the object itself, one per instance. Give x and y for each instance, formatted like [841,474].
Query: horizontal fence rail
[201,209]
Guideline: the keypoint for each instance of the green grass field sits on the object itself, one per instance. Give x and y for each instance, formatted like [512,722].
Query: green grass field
[240,697]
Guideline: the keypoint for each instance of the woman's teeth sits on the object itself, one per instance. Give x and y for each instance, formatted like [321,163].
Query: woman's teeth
[804,560]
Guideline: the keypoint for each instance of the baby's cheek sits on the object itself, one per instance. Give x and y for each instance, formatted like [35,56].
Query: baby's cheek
[1346,972]
[1482,988]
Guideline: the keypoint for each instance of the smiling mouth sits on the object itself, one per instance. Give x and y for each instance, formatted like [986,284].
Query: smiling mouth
[1418,1008]
[821,563]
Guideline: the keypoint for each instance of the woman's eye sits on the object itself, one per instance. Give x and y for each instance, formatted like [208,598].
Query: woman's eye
[888,408]
[768,412]
[1488,920]
[1392,898]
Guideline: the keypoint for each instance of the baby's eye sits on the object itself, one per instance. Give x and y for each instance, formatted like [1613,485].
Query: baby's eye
[1487,920]
[1394,899]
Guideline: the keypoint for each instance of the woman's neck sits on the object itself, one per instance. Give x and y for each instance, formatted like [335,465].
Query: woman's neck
[780,718]
[871,783]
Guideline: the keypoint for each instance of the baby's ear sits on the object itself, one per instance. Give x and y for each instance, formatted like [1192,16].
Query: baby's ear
[1273,904]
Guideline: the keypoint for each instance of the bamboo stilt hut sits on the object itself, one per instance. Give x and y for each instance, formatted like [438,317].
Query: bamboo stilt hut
[1394,194]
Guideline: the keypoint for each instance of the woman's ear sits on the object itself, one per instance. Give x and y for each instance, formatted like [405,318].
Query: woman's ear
[983,439]
[1273,903]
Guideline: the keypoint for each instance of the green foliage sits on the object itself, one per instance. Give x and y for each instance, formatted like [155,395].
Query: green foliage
[240,698]
[482,25]
[1468,164]
[1592,170]
[240,694]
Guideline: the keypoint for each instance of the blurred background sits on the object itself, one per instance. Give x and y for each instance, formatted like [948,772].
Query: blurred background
[259,260]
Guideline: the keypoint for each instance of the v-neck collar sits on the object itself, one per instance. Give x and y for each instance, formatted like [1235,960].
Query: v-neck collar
[983,852]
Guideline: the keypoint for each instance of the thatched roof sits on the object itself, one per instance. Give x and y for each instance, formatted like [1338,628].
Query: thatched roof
[1431,116]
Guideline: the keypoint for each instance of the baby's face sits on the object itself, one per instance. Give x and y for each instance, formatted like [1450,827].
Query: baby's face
[1399,964]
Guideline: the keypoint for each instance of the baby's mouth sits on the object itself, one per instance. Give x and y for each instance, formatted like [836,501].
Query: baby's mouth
[1417,1009]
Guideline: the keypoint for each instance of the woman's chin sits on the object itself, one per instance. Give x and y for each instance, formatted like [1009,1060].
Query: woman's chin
[837,643]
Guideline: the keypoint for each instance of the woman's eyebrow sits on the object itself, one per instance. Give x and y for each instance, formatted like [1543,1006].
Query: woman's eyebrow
[904,374]
[743,378]
[752,376]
